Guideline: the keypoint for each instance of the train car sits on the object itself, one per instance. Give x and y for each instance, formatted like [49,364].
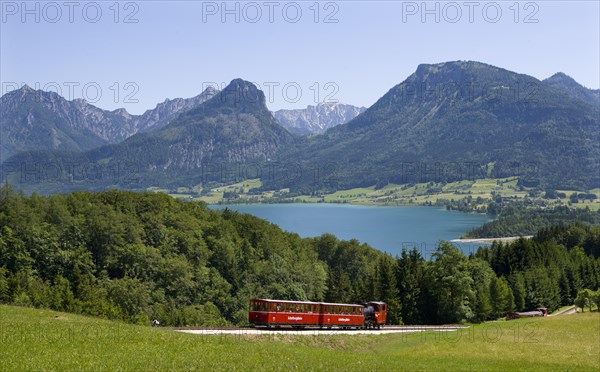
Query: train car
[341,315]
[272,313]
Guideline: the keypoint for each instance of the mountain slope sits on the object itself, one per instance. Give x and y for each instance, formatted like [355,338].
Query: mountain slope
[168,110]
[573,88]
[233,127]
[33,120]
[454,121]
[316,119]
[37,120]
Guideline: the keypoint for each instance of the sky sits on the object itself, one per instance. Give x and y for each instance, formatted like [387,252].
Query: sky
[135,54]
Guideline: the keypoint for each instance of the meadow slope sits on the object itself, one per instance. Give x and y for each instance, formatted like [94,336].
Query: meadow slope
[34,339]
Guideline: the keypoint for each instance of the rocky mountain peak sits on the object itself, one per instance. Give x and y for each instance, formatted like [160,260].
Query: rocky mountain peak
[242,93]
[317,119]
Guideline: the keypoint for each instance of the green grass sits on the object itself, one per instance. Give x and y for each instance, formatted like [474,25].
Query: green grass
[415,194]
[34,339]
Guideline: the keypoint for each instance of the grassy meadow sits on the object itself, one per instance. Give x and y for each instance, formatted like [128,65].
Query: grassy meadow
[34,339]
[414,194]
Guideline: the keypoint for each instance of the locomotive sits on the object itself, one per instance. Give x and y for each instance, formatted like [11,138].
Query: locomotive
[302,314]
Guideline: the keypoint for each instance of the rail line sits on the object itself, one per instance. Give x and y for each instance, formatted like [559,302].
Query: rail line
[314,330]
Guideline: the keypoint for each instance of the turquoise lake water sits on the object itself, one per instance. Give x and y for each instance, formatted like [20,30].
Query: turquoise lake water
[388,229]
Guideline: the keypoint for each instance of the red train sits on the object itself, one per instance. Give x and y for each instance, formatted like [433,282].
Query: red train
[540,311]
[301,314]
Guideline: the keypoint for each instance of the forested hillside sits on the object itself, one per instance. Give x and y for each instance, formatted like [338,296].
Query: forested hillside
[138,256]
[455,121]
[141,256]
[517,220]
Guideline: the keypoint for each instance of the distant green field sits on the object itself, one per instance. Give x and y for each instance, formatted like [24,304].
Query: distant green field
[33,339]
[411,194]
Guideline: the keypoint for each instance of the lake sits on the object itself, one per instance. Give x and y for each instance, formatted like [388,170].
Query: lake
[389,229]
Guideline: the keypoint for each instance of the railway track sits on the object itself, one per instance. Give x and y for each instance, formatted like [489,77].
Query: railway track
[312,331]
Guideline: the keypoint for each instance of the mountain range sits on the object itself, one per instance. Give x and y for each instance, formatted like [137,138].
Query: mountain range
[317,119]
[38,120]
[461,120]
[445,122]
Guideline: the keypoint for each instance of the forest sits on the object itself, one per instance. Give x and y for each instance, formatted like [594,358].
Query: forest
[134,257]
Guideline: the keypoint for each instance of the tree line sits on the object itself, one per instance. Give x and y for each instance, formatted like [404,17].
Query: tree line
[139,256]
[516,218]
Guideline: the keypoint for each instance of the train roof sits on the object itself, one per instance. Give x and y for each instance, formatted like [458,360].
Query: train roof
[285,301]
[335,303]
[377,302]
[303,302]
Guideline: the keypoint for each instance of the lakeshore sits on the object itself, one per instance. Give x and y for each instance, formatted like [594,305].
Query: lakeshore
[507,239]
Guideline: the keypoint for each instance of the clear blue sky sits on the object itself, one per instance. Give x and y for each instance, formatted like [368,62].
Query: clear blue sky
[176,48]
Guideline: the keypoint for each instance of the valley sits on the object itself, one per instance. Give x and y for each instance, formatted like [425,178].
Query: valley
[472,195]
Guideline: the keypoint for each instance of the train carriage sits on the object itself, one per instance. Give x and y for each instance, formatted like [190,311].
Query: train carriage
[342,315]
[280,312]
